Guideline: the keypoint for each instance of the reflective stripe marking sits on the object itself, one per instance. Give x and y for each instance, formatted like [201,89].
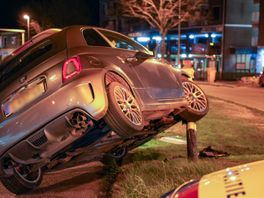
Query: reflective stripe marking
[235,189]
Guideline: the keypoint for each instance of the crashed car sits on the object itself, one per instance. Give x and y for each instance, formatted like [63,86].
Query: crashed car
[240,181]
[78,94]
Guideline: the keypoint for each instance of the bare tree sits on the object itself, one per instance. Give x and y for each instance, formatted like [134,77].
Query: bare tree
[162,14]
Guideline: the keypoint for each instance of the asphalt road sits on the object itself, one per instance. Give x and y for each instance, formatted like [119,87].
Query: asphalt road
[247,96]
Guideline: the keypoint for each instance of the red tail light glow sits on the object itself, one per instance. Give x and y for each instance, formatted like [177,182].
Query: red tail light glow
[189,192]
[71,68]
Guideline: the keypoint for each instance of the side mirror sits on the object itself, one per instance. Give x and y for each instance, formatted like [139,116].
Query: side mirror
[151,53]
[138,57]
[142,55]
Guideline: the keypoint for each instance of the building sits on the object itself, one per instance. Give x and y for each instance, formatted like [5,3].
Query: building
[260,54]
[230,39]
[110,16]
[10,39]
[240,38]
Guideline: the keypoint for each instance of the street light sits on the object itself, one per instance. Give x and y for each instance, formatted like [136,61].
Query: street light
[27,17]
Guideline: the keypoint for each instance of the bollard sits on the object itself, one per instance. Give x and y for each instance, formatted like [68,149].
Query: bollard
[192,152]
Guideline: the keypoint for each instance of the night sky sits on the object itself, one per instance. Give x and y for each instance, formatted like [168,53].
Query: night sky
[57,13]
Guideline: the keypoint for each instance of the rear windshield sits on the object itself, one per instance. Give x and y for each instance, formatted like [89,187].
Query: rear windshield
[21,62]
[28,59]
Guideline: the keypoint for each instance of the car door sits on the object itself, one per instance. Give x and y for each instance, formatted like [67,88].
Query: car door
[157,79]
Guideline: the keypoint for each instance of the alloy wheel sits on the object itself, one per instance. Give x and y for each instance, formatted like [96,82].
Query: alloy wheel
[195,96]
[128,105]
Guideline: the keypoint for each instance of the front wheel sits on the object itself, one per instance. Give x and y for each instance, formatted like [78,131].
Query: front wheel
[124,115]
[23,179]
[198,104]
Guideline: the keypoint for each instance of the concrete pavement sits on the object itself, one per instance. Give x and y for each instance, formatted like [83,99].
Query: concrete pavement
[252,97]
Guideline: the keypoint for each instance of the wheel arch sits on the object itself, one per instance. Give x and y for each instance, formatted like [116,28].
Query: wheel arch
[113,76]
[185,75]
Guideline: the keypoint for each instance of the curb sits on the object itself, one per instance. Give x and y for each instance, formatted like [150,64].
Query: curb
[217,84]
[230,85]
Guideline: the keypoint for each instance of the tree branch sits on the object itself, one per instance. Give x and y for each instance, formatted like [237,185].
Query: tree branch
[163,14]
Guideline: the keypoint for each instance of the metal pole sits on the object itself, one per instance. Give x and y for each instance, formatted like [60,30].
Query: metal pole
[223,40]
[27,17]
[28,28]
[192,152]
[179,35]
[22,38]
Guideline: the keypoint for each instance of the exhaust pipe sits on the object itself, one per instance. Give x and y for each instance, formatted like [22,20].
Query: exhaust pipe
[80,122]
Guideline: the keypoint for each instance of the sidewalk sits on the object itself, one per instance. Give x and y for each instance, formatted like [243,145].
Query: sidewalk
[228,84]
[251,97]
[220,83]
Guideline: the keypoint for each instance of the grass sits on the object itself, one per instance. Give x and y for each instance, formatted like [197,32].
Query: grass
[157,167]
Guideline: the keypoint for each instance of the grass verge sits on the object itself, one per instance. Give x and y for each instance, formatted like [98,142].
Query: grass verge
[157,167]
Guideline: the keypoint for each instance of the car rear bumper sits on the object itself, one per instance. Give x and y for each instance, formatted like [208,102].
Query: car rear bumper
[86,93]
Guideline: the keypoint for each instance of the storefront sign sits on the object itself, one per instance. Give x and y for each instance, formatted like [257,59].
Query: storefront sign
[241,66]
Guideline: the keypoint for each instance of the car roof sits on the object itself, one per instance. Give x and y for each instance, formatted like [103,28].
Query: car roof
[80,41]
[72,41]
[37,38]
[42,35]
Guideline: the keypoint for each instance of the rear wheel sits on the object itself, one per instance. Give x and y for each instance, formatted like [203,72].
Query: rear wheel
[198,104]
[23,179]
[124,115]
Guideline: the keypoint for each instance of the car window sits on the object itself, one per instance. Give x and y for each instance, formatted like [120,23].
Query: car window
[120,41]
[94,39]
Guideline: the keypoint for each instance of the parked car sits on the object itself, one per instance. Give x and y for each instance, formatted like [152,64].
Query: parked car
[79,94]
[240,181]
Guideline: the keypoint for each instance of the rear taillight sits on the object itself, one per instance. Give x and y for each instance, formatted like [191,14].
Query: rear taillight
[71,68]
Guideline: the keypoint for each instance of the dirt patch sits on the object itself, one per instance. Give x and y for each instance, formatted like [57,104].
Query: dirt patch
[82,182]
[241,113]
[233,111]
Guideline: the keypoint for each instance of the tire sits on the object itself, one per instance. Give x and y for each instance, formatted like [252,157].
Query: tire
[19,184]
[117,156]
[124,115]
[198,104]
